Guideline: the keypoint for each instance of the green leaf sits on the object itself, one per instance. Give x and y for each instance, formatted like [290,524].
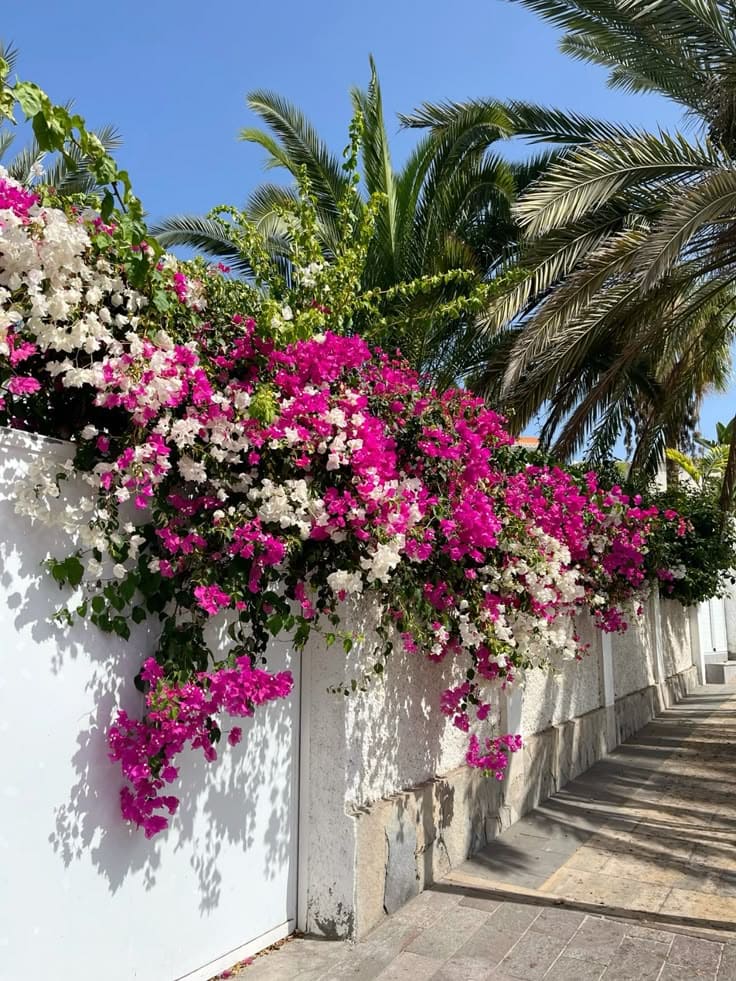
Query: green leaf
[113,597]
[105,170]
[7,103]
[98,604]
[275,624]
[121,628]
[156,603]
[108,205]
[138,614]
[74,570]
[128,587]
[30,98]
[162,301]
[263,404]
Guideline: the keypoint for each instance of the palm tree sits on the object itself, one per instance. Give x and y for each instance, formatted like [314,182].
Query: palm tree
[447,210]
[29,166]
[631,235]
[705,468]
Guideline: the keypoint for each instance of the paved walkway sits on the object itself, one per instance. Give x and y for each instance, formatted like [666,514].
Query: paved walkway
[628,874]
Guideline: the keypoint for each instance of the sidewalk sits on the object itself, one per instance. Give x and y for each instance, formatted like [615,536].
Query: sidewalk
[627,874]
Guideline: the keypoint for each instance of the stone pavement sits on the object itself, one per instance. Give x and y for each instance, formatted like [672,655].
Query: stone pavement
[627,874]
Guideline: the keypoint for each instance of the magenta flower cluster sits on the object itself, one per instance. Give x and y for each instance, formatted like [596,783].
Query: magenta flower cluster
[361,482]
[279,486]
[179,715]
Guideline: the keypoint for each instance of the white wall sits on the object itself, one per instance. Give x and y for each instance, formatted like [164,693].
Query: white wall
[361,748]
[633,655]
[730,606]
[82,895]
[572,689]
[676,637]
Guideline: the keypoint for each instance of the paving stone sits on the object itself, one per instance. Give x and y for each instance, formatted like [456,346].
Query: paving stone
[684,972]
[596,940]
[686,902]
[514,917]
[588,859]
[303,959]
[532,956]
[727,967]
[561,923]
[607,890]
[463,969]
[283,965]
[410,967]
[650,933]
[448,934]
[394,934]
[635,960]
[428,907]
[364,965]
[567,968]
[490,944]
[481,903]
[642,868]
[505,875]
[500,932]
[697,953]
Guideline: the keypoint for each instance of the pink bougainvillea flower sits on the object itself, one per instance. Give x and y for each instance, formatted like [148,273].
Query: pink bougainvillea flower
[23,385]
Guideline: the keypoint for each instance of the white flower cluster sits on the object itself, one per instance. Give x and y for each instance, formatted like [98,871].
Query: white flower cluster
[288,505]
[383,559]
[51,291]
[342,581]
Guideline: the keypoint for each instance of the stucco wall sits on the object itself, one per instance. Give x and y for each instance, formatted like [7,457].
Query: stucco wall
[676,652]
[633,655]
[573,689]
[361,749]
[411,809]
[386,804]
[730,605]
[82,894]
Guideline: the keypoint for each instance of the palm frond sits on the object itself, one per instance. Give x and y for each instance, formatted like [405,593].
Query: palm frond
[10,54]
[687,212]
[298,145]
[589,177]
[204,234]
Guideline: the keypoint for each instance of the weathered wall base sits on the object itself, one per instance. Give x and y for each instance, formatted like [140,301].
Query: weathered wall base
[406,842]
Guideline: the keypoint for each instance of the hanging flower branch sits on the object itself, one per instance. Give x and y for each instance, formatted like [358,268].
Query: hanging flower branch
[279,470]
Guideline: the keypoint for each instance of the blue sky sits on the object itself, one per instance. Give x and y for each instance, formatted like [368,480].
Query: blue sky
[173,77]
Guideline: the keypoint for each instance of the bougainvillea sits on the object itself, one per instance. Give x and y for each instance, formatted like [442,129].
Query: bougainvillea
[233,473]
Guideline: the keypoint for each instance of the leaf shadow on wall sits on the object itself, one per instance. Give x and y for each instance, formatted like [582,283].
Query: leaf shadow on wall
[243,802]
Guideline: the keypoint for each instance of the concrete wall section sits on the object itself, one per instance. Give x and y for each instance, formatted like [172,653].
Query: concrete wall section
[676,653]
[730,605]
[633,655]
[412,810]
[359,751]
[571,689]
[82,894]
